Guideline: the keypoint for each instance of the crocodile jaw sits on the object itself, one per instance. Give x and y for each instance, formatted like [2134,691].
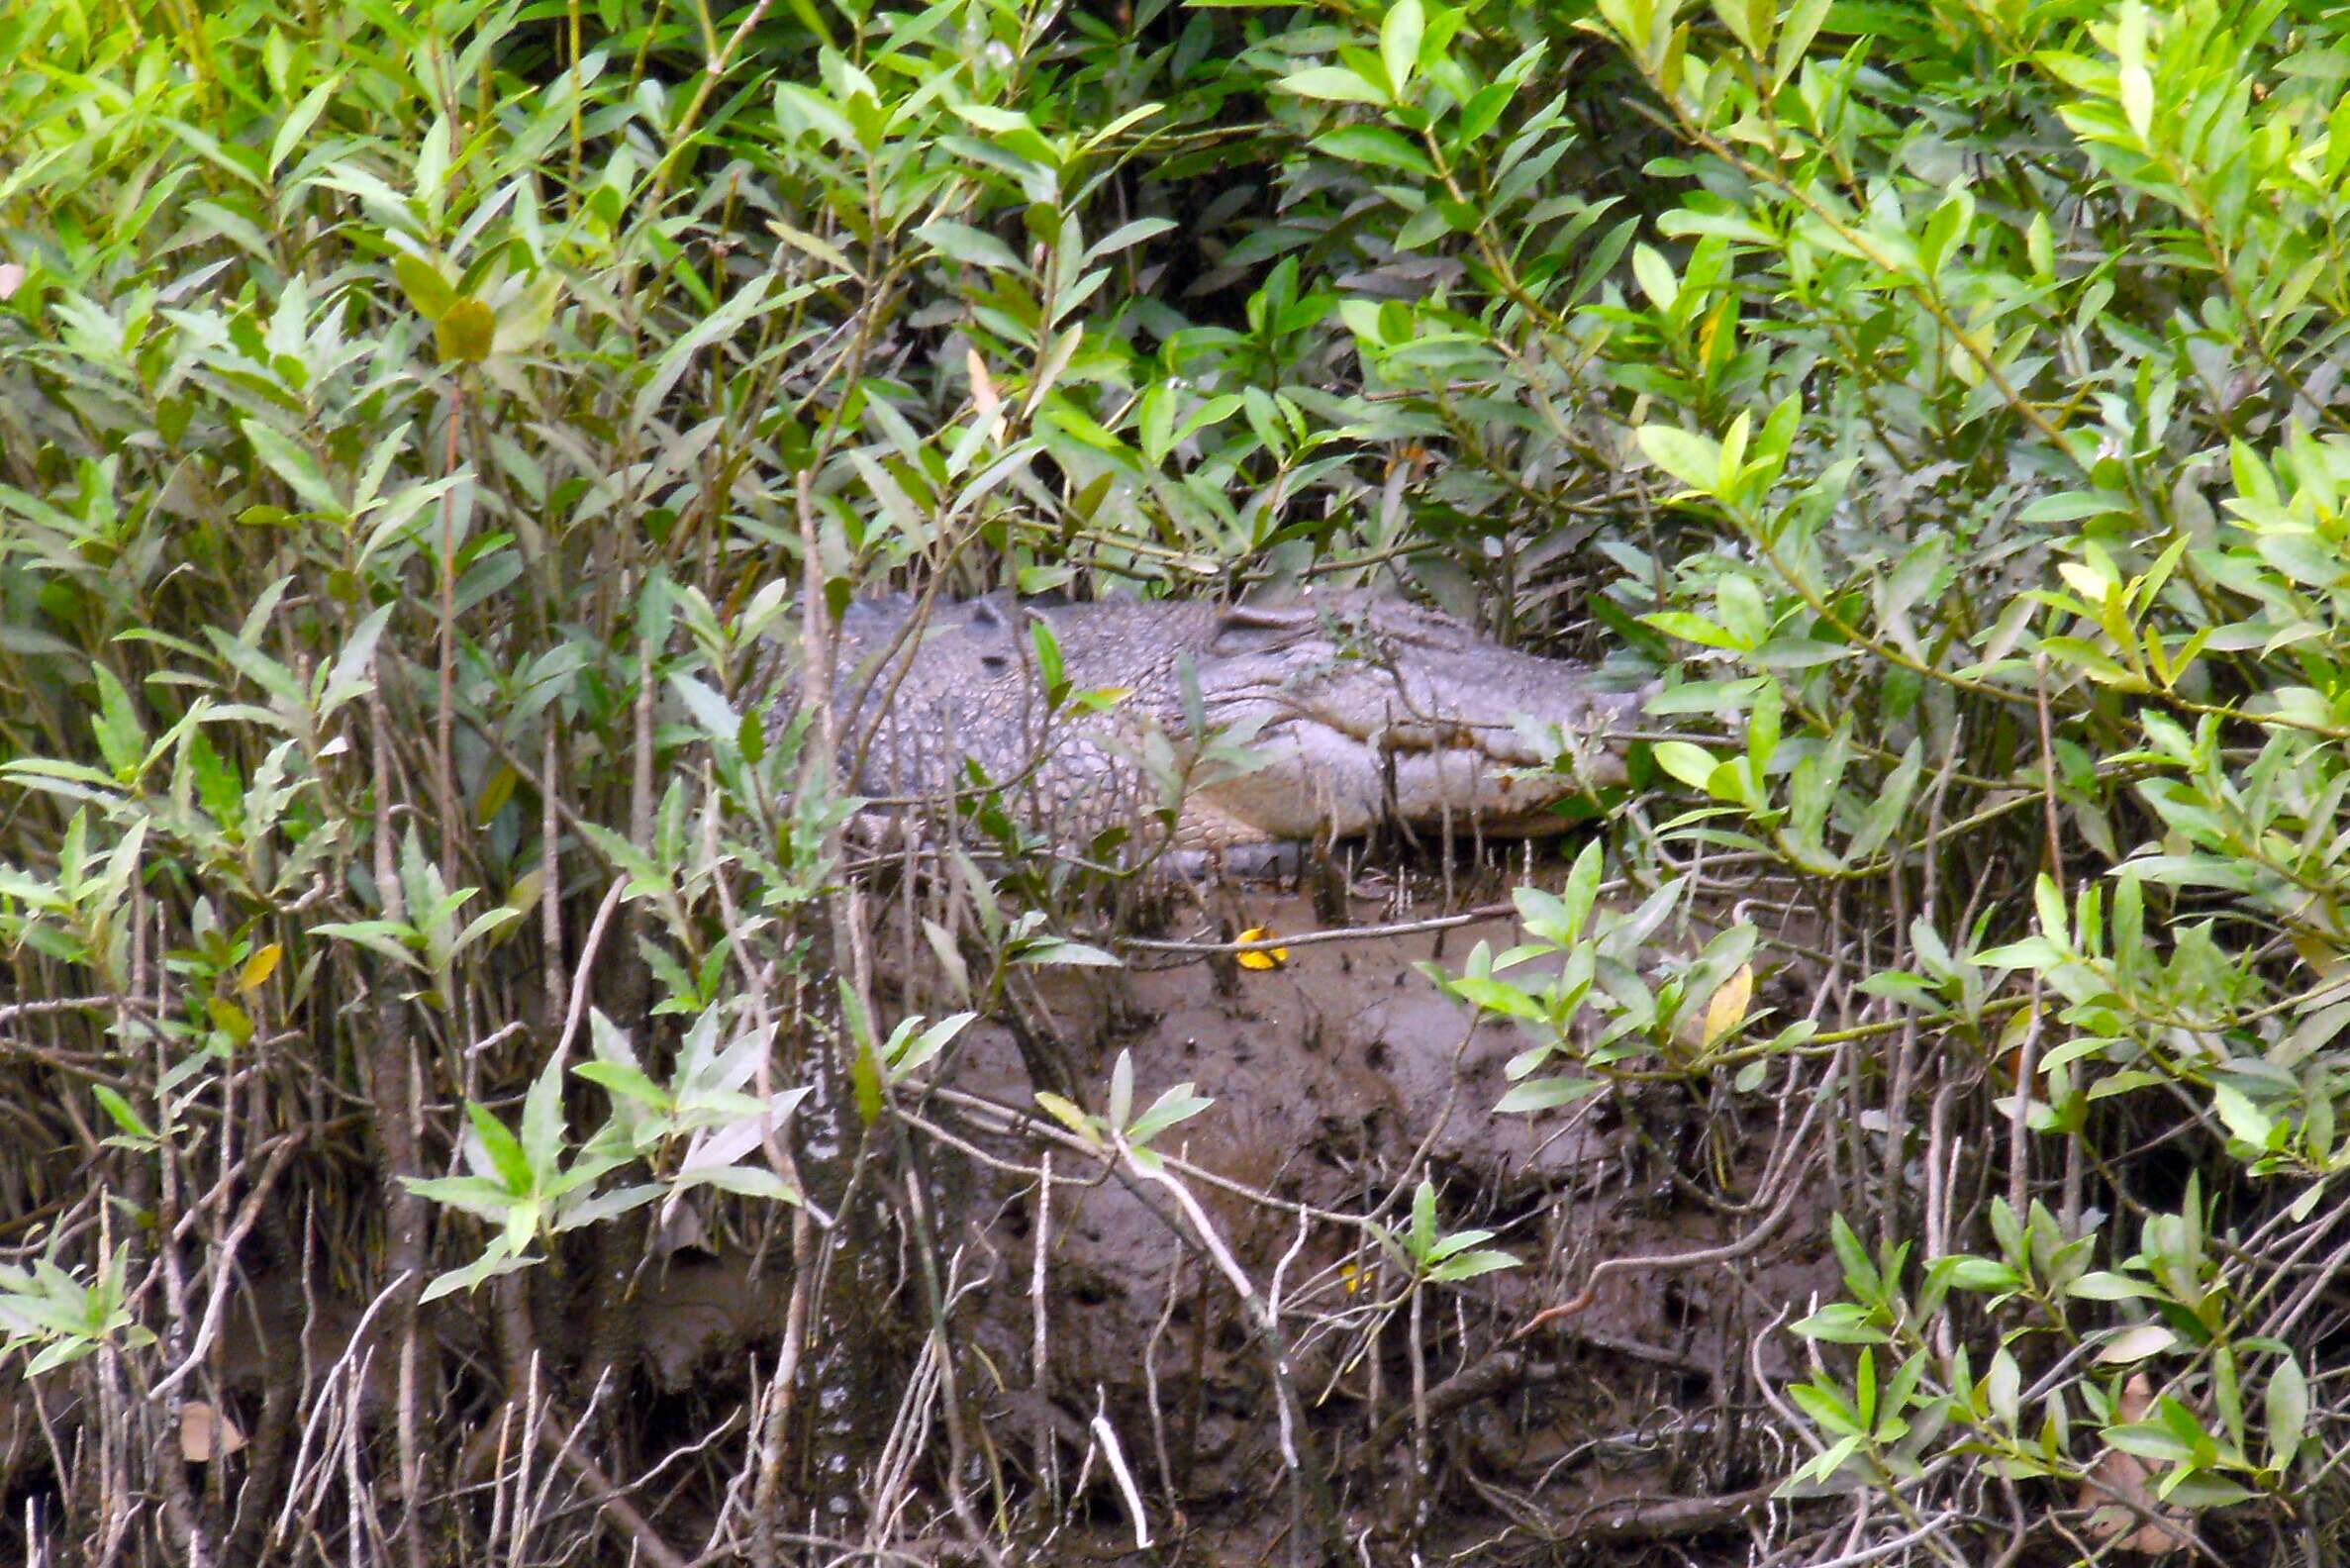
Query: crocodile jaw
[1331,784]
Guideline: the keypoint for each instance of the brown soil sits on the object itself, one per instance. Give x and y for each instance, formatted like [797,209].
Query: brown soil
[1338,1080]
[1329,1075]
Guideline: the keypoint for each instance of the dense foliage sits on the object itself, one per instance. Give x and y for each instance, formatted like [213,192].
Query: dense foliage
[418,422]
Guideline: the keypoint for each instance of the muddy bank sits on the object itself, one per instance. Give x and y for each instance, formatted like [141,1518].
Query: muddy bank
[1340,1079]
[1103,1351]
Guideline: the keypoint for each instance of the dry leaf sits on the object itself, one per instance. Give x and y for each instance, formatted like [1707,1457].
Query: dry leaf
[1264,958]
[2009,1052]
[2119,1479]
[205,1432]
[983,390]
[2318,953]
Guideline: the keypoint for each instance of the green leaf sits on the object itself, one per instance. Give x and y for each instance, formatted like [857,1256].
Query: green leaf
[1121,1089]
[2198,1489]
[474,1195]
[2136,1344]
[1739,17]
[1214,411]
[1693,766]
[1376,144]
[1499,996]
[1842,1322]
[813,245]
[1400,33]
[423,283]
[991,116]
[960,241]
[2244,1120]
[498,1259]
[1127,235]
[1334,83]
[2288,1412]
[1060,951]
[1175,1106]
[295,466]
[63,1353]
[606,1205]
[1655,278]
[123,1115]
[2048,902]
[1423,1238]
[523,318]
[1484,110]
[1547,1094]
[1801,24]
[1692,628]
[503,1149]
[296,125]
[1860,1274]
[1826,1407]
[1469,1265]
[930,1043]
[1694,460]
[2138,98]
[122,739]
[626,1080]
[542,1120]
[748,1180]
[2149,1440]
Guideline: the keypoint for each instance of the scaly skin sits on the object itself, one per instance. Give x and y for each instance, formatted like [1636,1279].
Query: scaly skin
[1354,710]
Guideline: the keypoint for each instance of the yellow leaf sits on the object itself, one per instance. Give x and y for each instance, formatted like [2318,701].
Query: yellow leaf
[259,967]
[495,793]
[1264,958]
[1102,698]
[1068,1116]
[1727,1009]
[230,1019]
[864,1078]
[467,332]
[2318,952]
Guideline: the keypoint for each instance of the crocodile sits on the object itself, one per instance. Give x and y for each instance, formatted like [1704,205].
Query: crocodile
[1310,720]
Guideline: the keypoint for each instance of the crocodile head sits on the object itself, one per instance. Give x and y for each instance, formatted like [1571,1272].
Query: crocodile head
[1354,710]
[1363,710]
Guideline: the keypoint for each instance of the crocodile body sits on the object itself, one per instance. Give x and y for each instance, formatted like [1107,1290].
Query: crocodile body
[1321,718]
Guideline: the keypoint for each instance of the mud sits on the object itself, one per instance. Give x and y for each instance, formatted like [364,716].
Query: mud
[1339,1079]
